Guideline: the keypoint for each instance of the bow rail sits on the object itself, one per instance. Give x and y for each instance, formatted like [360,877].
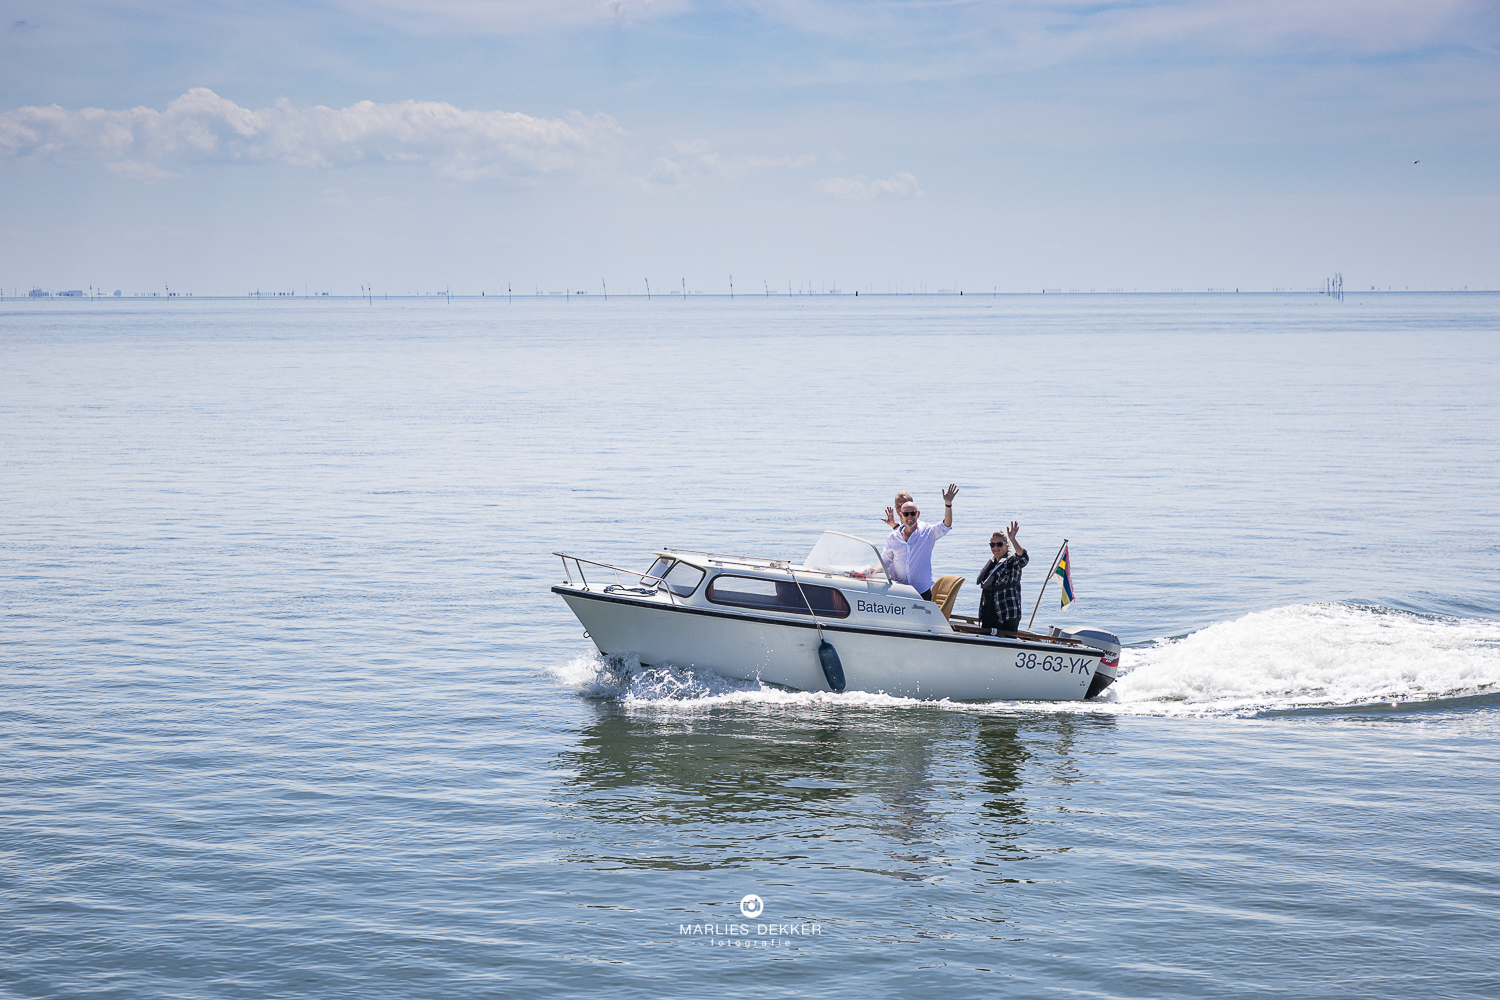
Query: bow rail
[646,582]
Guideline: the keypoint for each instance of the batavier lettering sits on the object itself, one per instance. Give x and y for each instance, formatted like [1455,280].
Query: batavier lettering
[880,609]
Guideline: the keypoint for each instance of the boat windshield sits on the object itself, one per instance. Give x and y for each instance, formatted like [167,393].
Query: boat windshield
[679,577]
[846,555]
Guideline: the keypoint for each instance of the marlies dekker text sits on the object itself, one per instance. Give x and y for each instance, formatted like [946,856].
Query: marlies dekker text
[743,930]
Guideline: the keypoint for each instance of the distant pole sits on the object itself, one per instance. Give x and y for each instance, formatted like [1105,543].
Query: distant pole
[606,290]
[684,290]
[648,289]
[731,287]
[763,281]
[508,299]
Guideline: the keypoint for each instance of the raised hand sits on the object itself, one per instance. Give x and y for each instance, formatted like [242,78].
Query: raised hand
[950,493]
[1015,546]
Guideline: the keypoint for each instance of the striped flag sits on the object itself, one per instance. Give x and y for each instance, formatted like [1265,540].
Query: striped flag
[1065,571]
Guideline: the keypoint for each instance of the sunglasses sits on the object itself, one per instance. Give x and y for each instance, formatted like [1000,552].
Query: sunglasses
[998,545]
[910,513]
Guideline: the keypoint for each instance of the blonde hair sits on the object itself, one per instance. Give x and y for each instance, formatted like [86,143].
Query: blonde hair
[904,498]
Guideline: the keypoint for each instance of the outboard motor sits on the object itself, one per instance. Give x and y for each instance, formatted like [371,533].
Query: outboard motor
[1109,666]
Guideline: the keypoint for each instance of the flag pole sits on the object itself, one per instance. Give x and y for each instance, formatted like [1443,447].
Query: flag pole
[1045,582]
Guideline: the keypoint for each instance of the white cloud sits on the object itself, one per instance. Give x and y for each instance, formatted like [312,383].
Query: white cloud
[503,17]
[1047,31]
[697,160]
[899,185]
[138,171]
[201,126]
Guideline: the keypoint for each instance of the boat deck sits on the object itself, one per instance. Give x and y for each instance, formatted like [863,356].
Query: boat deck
[970,626]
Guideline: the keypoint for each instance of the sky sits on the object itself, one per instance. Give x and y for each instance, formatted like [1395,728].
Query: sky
[880,145]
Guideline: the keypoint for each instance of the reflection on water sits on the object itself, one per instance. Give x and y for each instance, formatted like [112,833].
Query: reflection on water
[908,794]
[1000,756]
[707,768]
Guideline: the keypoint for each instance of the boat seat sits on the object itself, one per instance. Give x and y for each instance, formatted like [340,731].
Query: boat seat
[945,592]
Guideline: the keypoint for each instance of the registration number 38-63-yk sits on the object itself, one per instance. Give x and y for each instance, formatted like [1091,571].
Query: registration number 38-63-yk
[1052,661]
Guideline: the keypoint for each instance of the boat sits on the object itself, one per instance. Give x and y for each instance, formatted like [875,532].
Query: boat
[836,622]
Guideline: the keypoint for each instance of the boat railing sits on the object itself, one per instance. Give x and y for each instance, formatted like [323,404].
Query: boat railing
[784,565]
[724,559]
[648,584]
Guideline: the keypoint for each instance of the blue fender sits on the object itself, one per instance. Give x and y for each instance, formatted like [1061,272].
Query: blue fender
[833,670]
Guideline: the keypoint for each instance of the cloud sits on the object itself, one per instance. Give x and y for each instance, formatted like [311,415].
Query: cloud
[202,127]
[138,171]
[504,17]
[697,160]
[900,185]
[1047,31]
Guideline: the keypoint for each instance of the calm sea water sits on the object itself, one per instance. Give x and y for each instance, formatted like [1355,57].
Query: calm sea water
[287,710]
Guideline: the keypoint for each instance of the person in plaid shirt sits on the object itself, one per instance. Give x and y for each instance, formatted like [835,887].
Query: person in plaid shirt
[1000,582]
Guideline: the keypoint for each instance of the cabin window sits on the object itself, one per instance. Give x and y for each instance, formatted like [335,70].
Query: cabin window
[777,595]
[682,579]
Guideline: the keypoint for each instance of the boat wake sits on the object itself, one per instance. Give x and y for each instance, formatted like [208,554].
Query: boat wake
[1313,656]
[1306,658]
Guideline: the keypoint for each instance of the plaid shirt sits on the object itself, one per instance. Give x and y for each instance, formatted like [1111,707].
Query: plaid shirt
[1000,586]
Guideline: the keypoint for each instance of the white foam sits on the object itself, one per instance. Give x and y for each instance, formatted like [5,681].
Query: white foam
[674,687]
[1302,656]
[1311,655]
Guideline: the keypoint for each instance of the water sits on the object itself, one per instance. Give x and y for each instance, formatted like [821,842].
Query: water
[287,708]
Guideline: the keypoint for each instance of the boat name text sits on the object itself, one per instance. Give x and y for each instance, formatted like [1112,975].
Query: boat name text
[881,609]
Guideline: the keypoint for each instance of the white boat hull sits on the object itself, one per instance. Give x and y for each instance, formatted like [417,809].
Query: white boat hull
[904,663]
